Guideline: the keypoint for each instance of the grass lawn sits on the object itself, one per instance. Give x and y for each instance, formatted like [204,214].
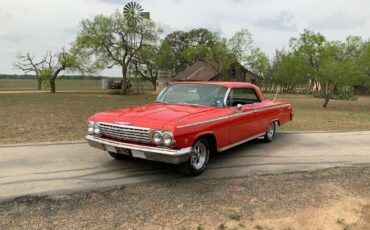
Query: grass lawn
[309,115]
[41,117]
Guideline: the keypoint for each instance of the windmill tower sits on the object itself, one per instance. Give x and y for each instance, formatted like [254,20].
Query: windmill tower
[134,13]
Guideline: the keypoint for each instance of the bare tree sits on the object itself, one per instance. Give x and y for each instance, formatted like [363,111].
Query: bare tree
[27,64]
[54,64]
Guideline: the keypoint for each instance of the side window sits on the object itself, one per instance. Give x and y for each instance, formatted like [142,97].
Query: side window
[242,96]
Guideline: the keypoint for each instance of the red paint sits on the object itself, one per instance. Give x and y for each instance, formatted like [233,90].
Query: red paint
[229,125]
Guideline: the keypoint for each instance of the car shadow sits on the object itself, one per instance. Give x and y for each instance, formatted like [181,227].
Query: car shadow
[132,167]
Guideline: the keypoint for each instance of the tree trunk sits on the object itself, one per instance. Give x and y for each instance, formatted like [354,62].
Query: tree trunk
[154,83]
[52,85]
[39,83]
[326,95]
[327,98]
[124,81]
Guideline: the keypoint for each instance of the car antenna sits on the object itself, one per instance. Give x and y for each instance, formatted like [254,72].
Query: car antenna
[276,94]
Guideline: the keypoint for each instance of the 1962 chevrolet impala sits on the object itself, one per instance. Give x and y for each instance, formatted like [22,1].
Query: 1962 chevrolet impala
[188,122]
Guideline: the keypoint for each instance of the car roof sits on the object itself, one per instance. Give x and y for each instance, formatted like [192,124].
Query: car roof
[228,84]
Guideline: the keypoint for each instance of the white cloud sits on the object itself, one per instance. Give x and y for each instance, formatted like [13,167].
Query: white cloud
[40,25]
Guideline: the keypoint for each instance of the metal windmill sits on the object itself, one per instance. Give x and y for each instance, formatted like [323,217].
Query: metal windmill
[134,12]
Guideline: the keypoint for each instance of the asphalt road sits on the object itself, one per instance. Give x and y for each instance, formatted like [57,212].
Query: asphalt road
[61,168]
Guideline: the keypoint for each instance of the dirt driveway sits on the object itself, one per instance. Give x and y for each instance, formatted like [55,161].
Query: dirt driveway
[326,199]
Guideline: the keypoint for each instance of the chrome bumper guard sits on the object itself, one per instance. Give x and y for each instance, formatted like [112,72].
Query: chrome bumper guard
[139,151]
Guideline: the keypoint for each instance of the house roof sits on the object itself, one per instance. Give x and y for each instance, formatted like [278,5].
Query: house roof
[199,71]
[227,84]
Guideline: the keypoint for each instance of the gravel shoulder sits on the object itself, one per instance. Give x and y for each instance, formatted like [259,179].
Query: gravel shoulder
[337,198]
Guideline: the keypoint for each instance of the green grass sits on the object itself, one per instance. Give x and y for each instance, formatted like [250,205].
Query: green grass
[39,117]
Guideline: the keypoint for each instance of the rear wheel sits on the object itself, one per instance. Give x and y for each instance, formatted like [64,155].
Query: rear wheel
[270,132]
[198,160]
[118,156]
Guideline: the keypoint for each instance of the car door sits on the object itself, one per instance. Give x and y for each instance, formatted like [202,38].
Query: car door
[245,122]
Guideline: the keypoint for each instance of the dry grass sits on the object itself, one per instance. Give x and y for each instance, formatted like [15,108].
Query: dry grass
[61,84]
[309,115]
[40,117]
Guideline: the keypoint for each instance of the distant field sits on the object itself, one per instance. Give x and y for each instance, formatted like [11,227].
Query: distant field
[62,84]
[40,117]
[25,84]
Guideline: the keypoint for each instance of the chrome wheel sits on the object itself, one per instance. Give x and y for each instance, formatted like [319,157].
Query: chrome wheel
[271,131]
[198,158]
[198,155]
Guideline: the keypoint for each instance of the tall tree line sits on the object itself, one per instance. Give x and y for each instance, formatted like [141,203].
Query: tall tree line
[325,67]
[139,50]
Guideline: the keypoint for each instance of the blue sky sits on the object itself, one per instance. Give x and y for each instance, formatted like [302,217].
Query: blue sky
[40,25]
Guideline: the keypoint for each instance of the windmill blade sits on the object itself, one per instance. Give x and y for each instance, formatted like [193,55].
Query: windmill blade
[132,12]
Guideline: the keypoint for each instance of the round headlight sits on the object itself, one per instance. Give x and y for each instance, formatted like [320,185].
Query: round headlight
[97,130]
[157,137]
[91,127]
[90,130]
[167,138]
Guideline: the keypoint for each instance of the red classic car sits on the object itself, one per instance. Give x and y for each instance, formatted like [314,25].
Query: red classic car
[188,122]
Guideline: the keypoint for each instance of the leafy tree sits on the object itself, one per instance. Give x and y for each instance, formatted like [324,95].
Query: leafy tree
[189,47]
[226,52]
[364,64]
[258,62]
[241,45]
[340,67]
[147,64]
[332,65]
[54,64]
[114,41]
[290,72]
[46,74]
[204,45]
[164,57]
[309,48]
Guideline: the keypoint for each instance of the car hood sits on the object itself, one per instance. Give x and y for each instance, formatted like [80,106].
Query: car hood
[154,116]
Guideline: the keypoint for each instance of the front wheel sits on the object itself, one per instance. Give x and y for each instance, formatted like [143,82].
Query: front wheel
[270,132]
[198,160]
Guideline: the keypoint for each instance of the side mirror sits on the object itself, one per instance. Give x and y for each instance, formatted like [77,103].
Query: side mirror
[239,107]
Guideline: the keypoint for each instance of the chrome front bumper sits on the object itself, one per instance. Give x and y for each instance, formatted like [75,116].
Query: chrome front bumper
[139,151]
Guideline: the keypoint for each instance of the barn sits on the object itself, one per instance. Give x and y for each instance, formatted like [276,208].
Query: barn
[201,71]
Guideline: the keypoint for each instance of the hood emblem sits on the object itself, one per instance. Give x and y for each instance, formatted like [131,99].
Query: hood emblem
[122,123]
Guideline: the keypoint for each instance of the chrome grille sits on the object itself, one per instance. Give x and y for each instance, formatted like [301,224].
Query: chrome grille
[125,133]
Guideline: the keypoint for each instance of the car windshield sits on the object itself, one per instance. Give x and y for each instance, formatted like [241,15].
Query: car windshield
[194,94]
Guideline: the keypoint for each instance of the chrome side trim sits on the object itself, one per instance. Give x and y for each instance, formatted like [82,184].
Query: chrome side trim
[240,142]
[273,107]
[234,115]
[164,151]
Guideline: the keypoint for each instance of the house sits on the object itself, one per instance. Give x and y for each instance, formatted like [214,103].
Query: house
[201,71]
